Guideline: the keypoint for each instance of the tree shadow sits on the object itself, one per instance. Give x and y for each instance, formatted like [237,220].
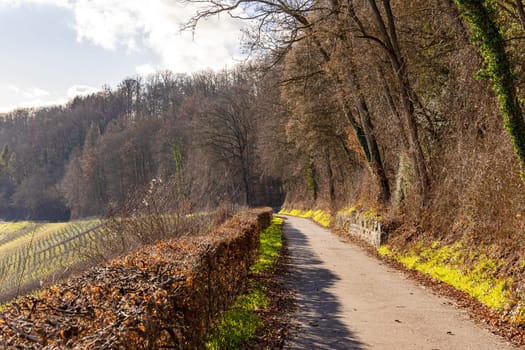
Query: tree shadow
[318,312]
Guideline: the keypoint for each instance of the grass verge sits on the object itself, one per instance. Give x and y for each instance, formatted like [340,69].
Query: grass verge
[240,324]
[446,263]
[321,217]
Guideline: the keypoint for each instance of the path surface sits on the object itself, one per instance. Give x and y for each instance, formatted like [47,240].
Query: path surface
[349,300]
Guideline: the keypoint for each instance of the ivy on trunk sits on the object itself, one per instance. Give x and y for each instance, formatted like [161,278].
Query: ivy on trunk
[486,33]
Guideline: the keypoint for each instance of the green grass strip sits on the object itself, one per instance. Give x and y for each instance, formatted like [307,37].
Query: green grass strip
[240,324]
[270,247]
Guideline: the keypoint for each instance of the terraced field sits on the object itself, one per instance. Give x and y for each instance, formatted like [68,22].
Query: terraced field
[31,252]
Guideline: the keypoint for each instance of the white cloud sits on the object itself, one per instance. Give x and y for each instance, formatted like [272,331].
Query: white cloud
[36,103]
[108,23]
[15,89]
[81,90]
[33,92]
[14,3]
[145,70]
[137,25]
[156,26]
[39,92]
[35,97]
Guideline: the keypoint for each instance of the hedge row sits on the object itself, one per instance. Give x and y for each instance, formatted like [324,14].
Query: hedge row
[162,296]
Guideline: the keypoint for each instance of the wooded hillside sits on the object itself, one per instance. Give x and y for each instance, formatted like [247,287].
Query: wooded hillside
[197,132]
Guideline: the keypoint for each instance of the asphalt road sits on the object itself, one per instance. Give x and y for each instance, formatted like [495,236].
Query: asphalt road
[350,300]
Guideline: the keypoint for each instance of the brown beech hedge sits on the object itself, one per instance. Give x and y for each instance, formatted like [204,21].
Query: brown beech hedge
[162,296]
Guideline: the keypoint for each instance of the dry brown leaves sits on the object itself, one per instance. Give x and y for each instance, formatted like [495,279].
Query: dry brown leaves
[161,296]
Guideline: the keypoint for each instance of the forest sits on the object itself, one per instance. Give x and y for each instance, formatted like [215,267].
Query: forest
[197,132]
[411,109]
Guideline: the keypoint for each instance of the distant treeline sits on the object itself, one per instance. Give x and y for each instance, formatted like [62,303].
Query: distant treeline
[78,160]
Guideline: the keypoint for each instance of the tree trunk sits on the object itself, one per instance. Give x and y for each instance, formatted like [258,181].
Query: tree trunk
[395,112]
[499,69]
[521,13]
[246,188]
[358,131]
[413,136]
[390,44]
[346,150]
[376,163]
[245,173]
[331,186]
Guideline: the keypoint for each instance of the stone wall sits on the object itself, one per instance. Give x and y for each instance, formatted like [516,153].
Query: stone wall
[363,227]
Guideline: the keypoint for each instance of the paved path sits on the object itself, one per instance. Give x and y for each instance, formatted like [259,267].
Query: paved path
[349,300]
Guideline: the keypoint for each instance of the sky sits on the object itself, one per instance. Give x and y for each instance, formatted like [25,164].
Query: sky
[54,50]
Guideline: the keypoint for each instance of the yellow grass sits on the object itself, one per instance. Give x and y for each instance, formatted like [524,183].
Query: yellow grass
[323,218]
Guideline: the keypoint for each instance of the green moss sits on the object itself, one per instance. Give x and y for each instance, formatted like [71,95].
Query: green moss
[370,214]
[446,263]
[321,217]
[241,323]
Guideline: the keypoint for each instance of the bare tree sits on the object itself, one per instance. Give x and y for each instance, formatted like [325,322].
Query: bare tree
[225,129]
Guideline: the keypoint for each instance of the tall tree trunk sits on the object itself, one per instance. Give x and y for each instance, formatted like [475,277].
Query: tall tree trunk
[245,174]
[364,133]
[368,130]
[246,188]
[359,133]
[521,13]
[486,32]
[376,163]
[346,150]
[331,185]
[413,135]
[390,43]
[395,113]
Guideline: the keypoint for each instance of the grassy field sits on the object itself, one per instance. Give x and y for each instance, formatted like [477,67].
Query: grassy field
[32,252]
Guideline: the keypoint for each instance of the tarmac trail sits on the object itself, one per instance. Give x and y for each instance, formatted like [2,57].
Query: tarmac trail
[350,300]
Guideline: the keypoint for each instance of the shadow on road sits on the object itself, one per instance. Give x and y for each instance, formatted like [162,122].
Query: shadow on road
[318,310]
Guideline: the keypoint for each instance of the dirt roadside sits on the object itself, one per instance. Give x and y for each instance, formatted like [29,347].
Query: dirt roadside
[347,299]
